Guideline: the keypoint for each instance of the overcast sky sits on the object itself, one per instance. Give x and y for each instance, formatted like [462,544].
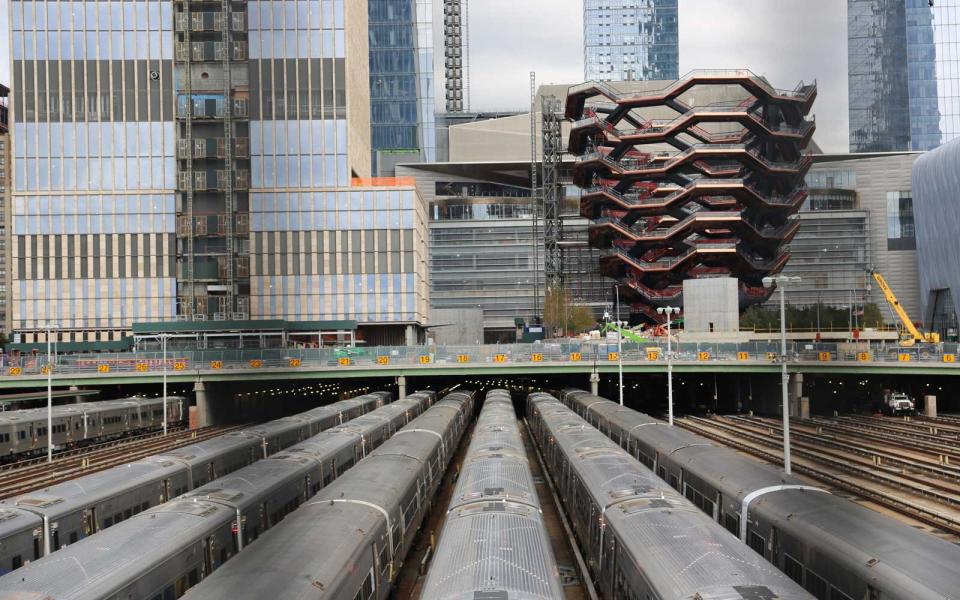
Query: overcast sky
[786,40]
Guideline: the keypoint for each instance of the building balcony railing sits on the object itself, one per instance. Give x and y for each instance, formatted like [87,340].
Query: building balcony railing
[207,51]
[212,225]
[209,21]
[212,148]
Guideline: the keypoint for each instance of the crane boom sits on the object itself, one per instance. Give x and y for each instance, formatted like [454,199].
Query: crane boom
[900,312]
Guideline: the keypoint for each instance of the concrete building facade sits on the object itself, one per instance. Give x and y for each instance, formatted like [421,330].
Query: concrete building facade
[176,162]
[858,215]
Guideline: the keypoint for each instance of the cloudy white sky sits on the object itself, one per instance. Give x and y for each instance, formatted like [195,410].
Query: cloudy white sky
[786,40]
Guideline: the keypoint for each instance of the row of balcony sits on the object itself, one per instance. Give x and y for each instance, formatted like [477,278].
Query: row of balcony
[210,21]
[215,224]
[203,181]
[210,106]
[210,51]
[212,148]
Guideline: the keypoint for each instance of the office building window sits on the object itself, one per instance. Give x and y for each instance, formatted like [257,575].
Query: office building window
[900,229]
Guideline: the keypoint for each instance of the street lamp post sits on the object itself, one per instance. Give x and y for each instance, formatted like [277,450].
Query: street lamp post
[163,342]
[669,310]
[781,282]
[50,327]
[620,325]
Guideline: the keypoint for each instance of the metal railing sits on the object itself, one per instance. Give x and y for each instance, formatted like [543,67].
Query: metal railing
[568,352]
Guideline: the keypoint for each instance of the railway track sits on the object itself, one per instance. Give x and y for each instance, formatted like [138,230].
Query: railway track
[88,448]
[930,504]
[64,468]
[928,459]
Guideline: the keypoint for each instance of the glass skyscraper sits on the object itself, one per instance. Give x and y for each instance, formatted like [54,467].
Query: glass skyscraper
[194,161]
[630,39]
[401,77]
[904,74]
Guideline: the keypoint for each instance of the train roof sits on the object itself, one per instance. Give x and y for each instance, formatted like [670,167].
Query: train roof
[106,564]
[68,496]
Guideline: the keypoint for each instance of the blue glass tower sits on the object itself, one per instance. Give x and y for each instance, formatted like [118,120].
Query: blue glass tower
[630,39]
[401,77]
[900,55]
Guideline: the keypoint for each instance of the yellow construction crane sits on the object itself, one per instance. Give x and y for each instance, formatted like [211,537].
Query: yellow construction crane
[911,334]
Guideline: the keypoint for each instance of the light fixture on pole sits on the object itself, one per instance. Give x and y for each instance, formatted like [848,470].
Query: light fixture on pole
[49,369]
[781,282]
[163,341]
[620,325]
[669,310]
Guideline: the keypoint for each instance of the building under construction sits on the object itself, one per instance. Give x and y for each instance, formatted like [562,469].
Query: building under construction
[679,188]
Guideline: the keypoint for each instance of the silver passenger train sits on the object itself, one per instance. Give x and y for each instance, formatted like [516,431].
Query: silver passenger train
[44,521]
[23,433]
[835,548]
[494,540]
[159,554]
[350,541]
[640,538]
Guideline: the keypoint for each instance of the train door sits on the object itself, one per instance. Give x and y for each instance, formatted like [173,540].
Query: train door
[211,471]
[37,543]
[89,521]
[775,546]
[208,554]
[33,436]
[306,488]
[165,487]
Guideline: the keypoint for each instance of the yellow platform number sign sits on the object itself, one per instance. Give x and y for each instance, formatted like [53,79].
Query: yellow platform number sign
[536,357]
[863,356]
[703,356]
[743,356]
[46,369]
[823,356]
[143,367]
[500,358]
[425,359]
[949,358]
[653,355]
[613,356]
[256,363]
[903,357]
[294,362]
[15,371]
[344,361]
[575,357]
[463,358]
[103,368]
[216,364]
[383,360]
[181,365]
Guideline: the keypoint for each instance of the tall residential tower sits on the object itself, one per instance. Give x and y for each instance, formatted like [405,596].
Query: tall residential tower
[630,39]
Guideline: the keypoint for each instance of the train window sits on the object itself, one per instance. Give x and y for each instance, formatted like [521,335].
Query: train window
[127,513]
[674,482]
[73,537]
[145,506]
[16,562]
[757,543]
[108,522]
[732,523]
[817,586]
[873,593]
[836,594]
[793,568]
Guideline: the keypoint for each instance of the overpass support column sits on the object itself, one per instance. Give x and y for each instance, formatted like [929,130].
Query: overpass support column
[78,399]
[204,416]
[595,383]
[930,406]
[795,391]
[401,387]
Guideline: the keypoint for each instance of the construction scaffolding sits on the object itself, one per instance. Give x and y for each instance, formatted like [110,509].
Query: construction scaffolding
[552,144]
[213,170]
[454,34]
